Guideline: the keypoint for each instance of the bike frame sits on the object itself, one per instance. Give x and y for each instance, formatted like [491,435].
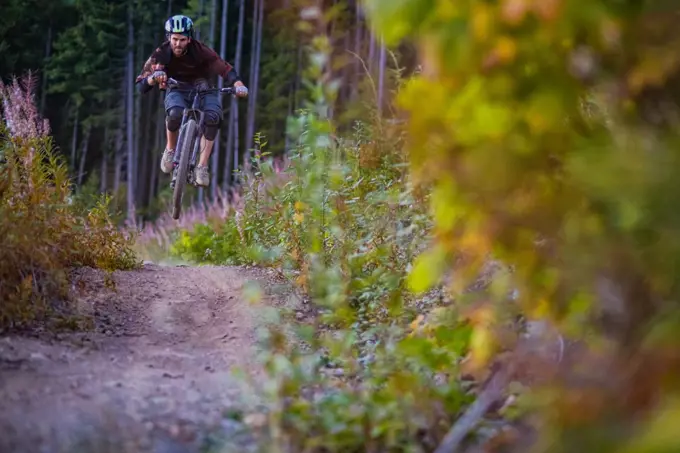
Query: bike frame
[198,115]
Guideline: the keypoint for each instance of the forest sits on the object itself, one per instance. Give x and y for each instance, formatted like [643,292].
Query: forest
[473,203]
[84,55]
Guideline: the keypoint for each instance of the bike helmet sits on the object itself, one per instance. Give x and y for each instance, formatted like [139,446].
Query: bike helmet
[179,24]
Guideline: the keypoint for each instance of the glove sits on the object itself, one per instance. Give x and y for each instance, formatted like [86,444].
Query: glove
[159,77]
[241,91]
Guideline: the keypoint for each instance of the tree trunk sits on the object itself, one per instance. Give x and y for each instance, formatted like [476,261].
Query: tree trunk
[104,178]
[129,106]
[250,122]
[298,76]
[139,141]
[345,89]
[83,154]
[358,28]
[201,194]
[213,23]
[74,139]
[256,78]
[143,180]
[220,83]
[43,88]
[371,52]
[157,143]
[258,53]
[118,147]
[118,161]
[381,76]
[289,112]
[332,26]
[232,135]
[239,58]
[162,138]
[215,155]
[200,16]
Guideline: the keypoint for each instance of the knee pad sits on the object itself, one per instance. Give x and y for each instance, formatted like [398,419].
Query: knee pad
[173,120]
[212,124]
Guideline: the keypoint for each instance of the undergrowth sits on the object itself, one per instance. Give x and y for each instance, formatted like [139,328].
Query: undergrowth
[342,222]
[43,235]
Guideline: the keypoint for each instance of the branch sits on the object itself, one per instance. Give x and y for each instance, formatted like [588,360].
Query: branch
[492,392]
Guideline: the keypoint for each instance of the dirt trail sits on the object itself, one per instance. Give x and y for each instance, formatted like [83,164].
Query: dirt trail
[155,373]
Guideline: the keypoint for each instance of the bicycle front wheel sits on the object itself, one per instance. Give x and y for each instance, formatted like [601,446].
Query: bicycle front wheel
[189,133]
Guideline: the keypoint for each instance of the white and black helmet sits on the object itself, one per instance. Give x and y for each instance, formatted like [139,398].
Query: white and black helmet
[179,24]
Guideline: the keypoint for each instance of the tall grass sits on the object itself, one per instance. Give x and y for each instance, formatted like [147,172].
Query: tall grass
[42,234]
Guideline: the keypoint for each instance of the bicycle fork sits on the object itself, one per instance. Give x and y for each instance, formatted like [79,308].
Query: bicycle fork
[195,151]
[191,176]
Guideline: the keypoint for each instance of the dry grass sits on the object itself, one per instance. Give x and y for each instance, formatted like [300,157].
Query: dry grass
[42,236]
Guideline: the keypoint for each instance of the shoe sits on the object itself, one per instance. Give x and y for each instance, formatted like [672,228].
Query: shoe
[166,162]
[202,176]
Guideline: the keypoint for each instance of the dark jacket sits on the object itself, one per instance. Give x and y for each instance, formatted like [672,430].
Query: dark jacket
[199,62]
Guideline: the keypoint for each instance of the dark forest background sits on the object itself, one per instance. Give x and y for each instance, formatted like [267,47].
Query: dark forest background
[85,54]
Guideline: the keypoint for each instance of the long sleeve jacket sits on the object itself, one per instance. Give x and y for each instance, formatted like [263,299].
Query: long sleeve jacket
[199,62]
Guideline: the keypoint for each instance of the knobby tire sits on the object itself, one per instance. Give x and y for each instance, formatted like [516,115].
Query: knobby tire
[189,137]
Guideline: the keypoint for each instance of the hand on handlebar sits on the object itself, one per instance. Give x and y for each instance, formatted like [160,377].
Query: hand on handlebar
[158,77]
[240,90]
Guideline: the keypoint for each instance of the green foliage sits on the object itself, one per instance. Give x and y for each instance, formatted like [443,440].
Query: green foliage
[78,49]
[345,231]
[548,131]
[83,63]
[42,233]
[278,74]
[207,245]
[200,11]
[24,32]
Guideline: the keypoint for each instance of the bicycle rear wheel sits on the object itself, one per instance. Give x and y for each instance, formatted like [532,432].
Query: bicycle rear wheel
[189,133]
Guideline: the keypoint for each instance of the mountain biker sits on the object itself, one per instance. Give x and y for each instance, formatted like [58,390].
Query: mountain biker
[188,60]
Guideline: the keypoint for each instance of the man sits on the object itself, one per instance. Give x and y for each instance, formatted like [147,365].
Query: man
[188,60]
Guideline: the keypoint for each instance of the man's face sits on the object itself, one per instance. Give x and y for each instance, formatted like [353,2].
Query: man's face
[178,43]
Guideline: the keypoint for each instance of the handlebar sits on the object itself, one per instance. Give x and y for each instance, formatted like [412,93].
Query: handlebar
[172,82]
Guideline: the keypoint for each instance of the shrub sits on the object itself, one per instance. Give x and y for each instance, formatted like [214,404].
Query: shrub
[42,235]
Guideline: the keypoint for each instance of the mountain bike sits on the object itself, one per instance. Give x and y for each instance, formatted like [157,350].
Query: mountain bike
[188,146]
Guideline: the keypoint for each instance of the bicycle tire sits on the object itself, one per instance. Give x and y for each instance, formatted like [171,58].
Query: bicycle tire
[188,139]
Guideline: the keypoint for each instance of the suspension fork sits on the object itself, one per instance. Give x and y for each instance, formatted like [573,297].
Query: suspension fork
[180,137]
[197,145]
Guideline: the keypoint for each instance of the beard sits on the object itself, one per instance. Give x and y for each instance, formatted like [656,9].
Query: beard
[179,50]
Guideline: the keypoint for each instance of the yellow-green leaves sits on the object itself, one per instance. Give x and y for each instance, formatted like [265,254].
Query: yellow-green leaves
[447,209]
[549,132]
[427,270]
[544,112]
[396,19]
[660,433]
